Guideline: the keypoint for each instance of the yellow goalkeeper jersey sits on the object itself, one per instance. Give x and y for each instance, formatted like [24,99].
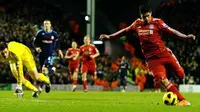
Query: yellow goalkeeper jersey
[18,49]
[20,55]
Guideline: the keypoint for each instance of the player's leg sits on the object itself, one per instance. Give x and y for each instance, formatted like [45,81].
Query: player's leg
[84,71]
[172,88]
[31,67]
[175,66]
[124,83]
[28,84]
[125,80]
[157,86]
[121,85]
[41,61]
[40,77]
[74,70]
[159,74]
[48,66]
[47,70]
[31,87]
[93,72]
[46,63]
[178,70]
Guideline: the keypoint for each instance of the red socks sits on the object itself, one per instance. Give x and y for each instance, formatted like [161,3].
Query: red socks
[74,82]
[85,85]
[172,88]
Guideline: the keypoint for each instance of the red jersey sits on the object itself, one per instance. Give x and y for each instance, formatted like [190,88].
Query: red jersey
[86,51]
[71,51]
[149,35]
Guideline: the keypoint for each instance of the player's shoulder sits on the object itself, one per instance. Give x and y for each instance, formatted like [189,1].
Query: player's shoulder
[138,20]
[69,49]
[54,31]
[82,46]
[92,46]
[39,31]
[157,20]
[13,45]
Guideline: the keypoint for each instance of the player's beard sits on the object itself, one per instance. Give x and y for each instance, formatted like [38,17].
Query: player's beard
[4,56]
[145,22]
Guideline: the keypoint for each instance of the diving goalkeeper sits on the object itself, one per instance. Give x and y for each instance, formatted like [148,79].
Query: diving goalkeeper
[19,55]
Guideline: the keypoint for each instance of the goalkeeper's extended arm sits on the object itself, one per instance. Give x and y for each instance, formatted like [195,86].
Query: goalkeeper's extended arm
[17,71]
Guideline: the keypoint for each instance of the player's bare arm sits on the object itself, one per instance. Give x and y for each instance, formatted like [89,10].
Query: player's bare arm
[179,34]
[191,36]
[175,32]
[36,43]
[120,32]
[102,36]
[60,54]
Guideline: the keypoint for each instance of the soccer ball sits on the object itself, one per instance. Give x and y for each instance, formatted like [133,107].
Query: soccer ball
[170,98]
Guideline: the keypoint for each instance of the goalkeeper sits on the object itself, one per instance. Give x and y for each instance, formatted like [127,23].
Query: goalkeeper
[19,55]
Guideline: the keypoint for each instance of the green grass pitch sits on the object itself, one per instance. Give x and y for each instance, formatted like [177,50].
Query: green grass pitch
[65,101]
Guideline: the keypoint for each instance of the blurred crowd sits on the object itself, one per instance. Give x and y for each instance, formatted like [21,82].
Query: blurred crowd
[20,23]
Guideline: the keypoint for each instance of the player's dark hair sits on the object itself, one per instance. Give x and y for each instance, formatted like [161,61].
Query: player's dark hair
[3,45]
[144,9]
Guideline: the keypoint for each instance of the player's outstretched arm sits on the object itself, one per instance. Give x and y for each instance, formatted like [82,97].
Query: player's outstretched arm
[120,32]
[102,36]
[191,36]
[179,34]
[170,30]
[117,34]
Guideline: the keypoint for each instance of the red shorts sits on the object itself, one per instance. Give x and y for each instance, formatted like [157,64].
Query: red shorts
[88,68]
[73,68]
[163,61]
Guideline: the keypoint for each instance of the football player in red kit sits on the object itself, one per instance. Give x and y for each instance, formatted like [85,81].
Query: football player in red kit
[72,54]
[158,56]
[88,52]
